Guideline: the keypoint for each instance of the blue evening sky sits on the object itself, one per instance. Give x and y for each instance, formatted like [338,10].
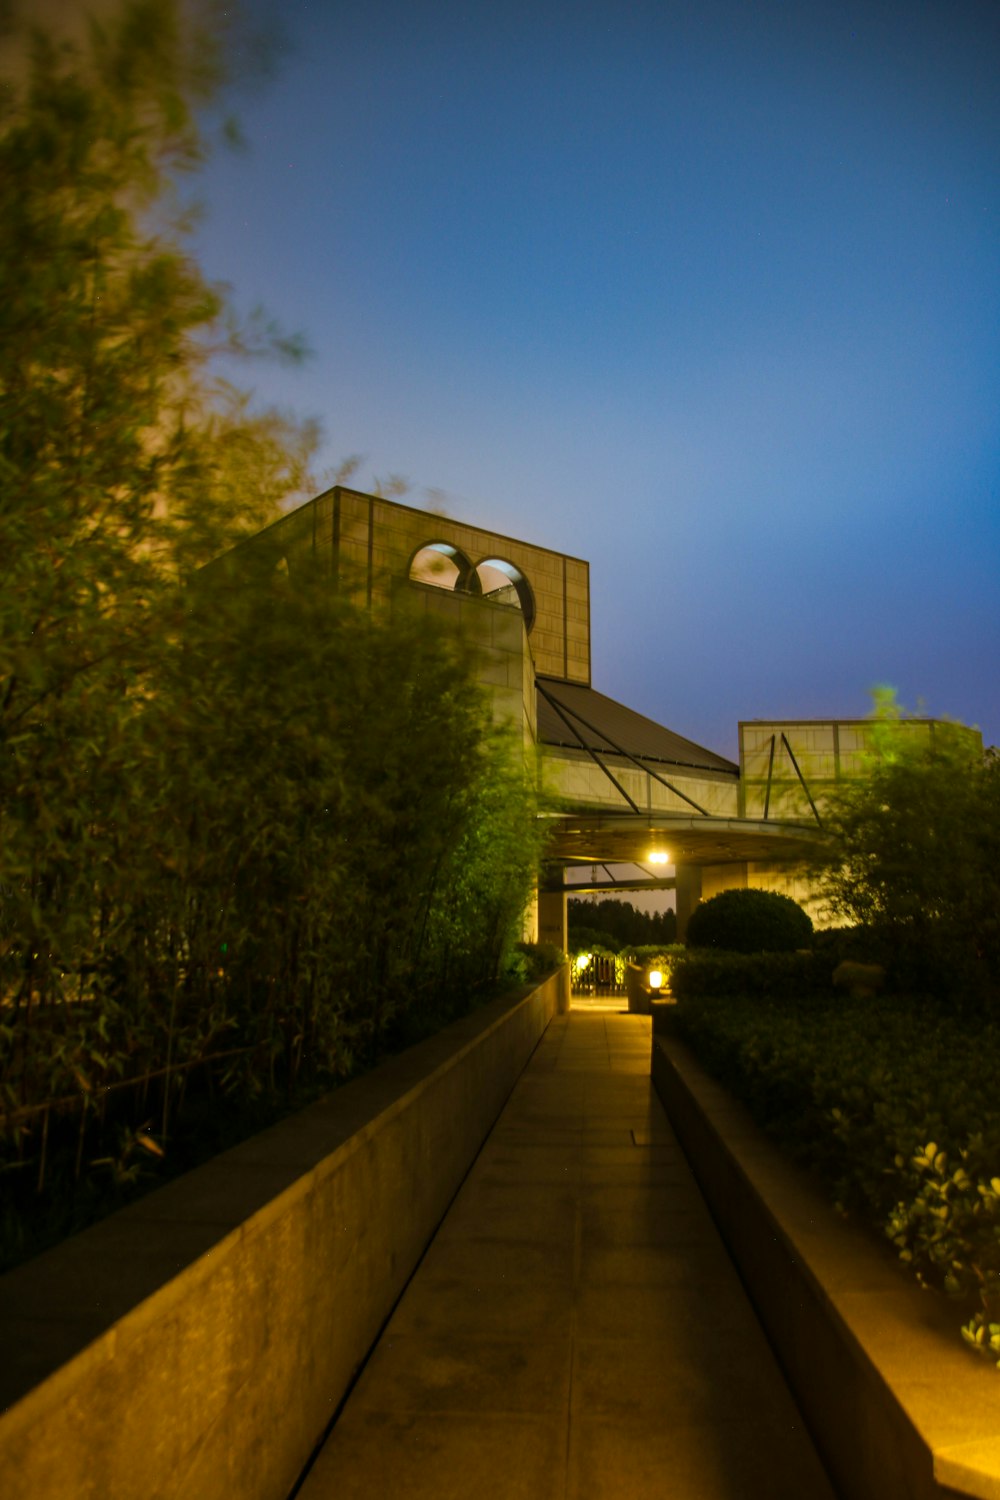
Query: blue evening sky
[706,293]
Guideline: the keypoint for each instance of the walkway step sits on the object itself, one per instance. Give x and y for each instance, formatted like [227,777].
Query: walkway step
[576,1328]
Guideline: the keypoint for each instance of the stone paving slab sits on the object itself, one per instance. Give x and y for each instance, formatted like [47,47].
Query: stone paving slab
[576,1329]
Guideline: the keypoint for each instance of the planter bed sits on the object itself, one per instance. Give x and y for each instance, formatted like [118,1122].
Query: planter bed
[198,1342]
[898,1407]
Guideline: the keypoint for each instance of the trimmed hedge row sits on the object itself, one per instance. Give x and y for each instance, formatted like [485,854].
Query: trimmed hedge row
[699,973]
[894,1107]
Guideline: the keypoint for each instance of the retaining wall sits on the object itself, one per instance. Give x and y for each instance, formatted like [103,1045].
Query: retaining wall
[898,1407]
[197,1343]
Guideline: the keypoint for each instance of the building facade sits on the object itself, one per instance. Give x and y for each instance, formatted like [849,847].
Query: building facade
[634,796]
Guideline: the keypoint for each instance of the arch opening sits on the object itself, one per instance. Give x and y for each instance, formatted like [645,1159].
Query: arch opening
[504,583]
[442,566]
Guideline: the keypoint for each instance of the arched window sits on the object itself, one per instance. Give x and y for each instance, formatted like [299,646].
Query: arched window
[502,581]
[443,566]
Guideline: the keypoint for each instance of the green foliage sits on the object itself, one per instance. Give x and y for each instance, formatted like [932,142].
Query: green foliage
[246,831]
[614,924]
[122,464]
[283,889]
[529,962]
[896,1111]
[749,921]
[698,973]
[948,1229]
[644,953]
[665,957]
[590,940]
[474,920]
[598,966]
[914,857]
[851,945]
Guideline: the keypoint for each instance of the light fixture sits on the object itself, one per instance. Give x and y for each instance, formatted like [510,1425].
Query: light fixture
[655,979]
[659,857]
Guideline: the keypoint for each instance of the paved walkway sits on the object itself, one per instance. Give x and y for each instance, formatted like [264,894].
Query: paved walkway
[576,1330]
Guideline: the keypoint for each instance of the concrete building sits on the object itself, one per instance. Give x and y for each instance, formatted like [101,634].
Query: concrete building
[635,796]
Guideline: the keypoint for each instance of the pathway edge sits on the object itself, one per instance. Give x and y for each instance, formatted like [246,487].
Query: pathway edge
[896,1405]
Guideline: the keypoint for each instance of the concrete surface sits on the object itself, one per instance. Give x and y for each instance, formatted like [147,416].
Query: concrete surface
[576,1329]
[901,1409]
[196,1344]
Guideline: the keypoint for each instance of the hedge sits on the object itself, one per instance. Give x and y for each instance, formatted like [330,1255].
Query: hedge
[894,1107]
[749,921]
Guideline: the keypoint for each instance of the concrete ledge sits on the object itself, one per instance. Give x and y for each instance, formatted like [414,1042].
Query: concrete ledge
[899,1409]
[197,1343]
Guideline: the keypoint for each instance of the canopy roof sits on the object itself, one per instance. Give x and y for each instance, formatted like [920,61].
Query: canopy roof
[625,838]
[575,717]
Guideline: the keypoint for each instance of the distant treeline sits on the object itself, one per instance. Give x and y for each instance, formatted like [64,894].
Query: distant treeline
[615,925]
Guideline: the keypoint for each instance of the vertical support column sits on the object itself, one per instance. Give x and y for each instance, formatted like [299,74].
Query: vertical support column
[552,923]
[688,895]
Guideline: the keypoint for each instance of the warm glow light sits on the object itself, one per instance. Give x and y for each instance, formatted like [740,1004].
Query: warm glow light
[655,979]
[659,857]
[582,960]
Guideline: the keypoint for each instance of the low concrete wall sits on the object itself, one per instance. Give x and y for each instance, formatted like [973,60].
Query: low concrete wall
[899,1409]
[197,1343]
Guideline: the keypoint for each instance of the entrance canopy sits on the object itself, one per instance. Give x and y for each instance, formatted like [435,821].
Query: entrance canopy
[630,838]
[634,792]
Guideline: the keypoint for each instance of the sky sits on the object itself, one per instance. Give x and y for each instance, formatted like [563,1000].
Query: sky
[705,293]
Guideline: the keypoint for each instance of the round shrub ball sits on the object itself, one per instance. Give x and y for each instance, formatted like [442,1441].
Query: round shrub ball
[749,922]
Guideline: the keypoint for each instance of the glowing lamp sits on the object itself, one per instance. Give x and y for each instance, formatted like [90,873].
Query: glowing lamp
[659,857]
[655,979]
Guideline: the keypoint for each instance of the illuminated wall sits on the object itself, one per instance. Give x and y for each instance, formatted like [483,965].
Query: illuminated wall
[574,775]
[366,545]
[496,633]
[789,767]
